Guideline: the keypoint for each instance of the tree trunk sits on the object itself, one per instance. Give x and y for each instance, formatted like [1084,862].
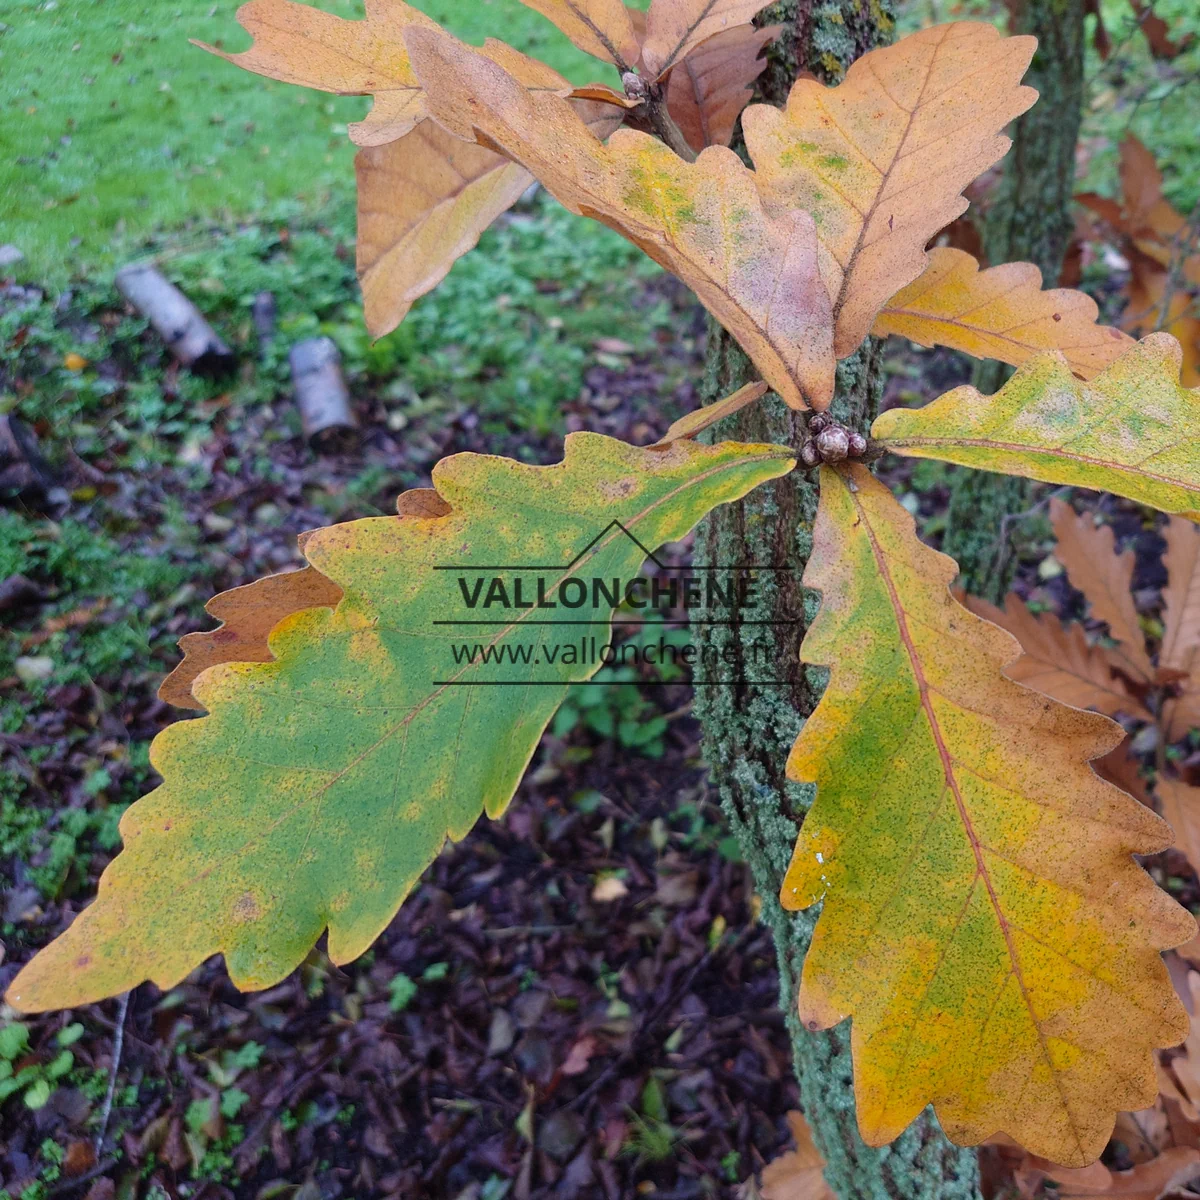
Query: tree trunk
[749,728]
[1031,222]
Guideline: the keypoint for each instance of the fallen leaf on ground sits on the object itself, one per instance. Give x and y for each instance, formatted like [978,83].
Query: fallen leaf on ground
[797,1174]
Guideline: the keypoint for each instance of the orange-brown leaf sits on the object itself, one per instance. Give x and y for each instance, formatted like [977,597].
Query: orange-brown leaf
[300,44]
[797,1174]
[423,202]
[1151,1180]
[1057,660]
[247,615]
[1087,550]
[675,28]
[1181,809]
[602,28]
[704,221]
[707,92]
[1000,313]
[1181,598]
[983,922]
[1120,767]
[882,159]
[701,419]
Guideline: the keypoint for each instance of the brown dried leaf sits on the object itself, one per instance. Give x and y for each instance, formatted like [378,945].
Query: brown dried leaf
[1119,766]
[799,1174]
[1181,809]
[697,422]
[248,614]
[1149,1181]
[1001,313]
[1106,579]
[881,160]
[1058,661]
[704,221]
[675,28]
[707,92]
[1181,597]
[1157,33]
[602,28]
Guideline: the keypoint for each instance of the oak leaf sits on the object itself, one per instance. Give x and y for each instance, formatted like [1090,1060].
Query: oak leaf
[707,92]
[1088,552]
[1181,810]
[300,44]
[1122,768]
[676,28]
[797,1174]
[601,28]
[704,221]
[1001,313]
[881,160]
[1180,649]
[983,920]
[247,615]
[323,783]
[695,423]
[1058,660]
[1043,424]
[1161,1176]
[423,202]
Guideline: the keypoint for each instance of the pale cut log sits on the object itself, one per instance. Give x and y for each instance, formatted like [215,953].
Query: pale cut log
[322,395]
[179,323]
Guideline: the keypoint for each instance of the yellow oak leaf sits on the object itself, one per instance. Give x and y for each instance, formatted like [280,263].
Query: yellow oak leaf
[984,923]
[323,782]
[1001,313]
[704,221]
[1133,430]
[881,160]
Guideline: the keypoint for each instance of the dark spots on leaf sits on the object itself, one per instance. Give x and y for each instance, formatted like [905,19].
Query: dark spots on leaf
[221,636]
[84,960]
[1058,316]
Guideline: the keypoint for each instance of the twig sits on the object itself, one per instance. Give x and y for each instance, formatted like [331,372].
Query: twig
[118,1046]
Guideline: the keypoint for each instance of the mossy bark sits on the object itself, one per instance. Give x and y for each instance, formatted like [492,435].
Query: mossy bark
[1030,221]
[749,727]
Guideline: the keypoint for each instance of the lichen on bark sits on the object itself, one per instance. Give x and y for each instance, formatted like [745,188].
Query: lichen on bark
[750,726]
[1029,221]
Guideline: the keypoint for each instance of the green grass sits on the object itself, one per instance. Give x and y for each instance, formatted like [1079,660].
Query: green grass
[112,125]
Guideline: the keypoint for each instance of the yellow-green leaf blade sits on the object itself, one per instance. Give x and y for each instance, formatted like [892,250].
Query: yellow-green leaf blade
[1134,430]
[323,783]
[1000,313]
[984,923]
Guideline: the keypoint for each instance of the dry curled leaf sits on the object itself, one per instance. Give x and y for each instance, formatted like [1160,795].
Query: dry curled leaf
[797,1174]
[984,923]
[1043,424]
[1088,552]
[247,615]
[1181,810]
[1058,660]
[1001,313]
[707,92]
[881,160]
[704,221]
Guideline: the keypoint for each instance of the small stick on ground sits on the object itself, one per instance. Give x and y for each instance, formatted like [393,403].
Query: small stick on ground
[118,1046]
[177,320]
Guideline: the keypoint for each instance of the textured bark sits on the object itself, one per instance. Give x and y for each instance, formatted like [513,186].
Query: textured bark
[749,728]
[1030,221]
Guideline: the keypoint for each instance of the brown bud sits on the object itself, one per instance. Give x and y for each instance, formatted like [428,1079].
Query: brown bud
[833,443]
[635,86]
[808,453]
[819,421]
[858,445]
